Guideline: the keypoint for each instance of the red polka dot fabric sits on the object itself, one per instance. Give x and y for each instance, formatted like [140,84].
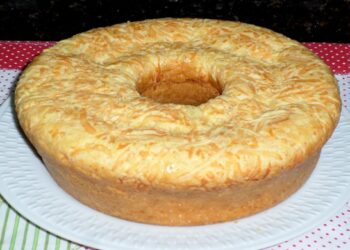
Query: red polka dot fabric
[16,55]
[336,55]
[333,233]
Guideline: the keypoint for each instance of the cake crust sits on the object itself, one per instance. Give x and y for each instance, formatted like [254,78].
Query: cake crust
[260,106]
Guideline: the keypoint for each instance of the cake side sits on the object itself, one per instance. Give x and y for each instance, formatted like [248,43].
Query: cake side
[135,201]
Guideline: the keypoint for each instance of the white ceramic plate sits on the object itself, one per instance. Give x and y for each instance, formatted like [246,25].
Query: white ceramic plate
[27,186]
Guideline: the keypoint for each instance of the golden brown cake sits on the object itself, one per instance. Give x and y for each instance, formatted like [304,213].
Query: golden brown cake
[178,121]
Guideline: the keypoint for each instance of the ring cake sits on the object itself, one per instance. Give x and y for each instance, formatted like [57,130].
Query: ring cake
[178,121]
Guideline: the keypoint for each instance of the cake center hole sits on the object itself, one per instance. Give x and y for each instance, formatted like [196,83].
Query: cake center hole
[178,84]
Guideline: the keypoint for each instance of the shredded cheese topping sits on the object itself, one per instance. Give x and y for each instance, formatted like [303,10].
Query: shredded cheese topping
[78,103]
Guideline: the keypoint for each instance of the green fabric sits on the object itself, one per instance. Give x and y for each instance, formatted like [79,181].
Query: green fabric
[18,233]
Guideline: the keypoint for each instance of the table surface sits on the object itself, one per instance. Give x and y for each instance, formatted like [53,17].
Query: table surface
[17,232]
